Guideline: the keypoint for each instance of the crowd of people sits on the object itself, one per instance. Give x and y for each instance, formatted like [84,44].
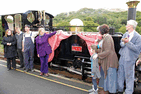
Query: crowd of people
[111,72]
[22,45]
[114,73]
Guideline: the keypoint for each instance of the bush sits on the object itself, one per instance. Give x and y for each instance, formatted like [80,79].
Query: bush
[138,29]
[122,29]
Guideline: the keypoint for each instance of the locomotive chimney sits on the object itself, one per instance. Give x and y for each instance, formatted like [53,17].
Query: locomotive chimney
[132,4]
[44,18]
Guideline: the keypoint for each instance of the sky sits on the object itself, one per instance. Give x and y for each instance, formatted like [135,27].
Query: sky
[55,7]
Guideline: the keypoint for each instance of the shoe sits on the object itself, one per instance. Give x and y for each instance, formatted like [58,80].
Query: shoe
[21,66]
[106,92]
[32,70]
[96,91]
[41,74]
[91,90]
[24,68]
[9,69]
[46,75]
[27,70]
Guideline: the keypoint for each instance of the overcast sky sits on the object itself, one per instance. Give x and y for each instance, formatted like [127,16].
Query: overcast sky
[55,7]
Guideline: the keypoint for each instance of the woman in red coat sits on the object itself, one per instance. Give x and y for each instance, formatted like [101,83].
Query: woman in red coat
[43,50]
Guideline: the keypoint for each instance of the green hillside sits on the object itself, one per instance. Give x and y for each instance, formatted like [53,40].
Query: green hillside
[93,17]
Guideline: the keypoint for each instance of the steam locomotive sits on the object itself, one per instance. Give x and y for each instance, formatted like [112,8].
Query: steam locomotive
[72,60]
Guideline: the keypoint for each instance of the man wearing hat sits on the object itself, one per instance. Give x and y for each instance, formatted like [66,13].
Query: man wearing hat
[28,48]
[129,52]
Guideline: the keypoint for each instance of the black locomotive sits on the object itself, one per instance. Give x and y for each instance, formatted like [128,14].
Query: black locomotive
[74,61]
[33,18]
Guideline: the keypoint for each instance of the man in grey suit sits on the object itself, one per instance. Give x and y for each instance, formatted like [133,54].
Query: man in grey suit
[129,52]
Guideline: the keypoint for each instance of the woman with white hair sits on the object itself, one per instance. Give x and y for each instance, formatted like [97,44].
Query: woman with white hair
[129,52]
[43,50]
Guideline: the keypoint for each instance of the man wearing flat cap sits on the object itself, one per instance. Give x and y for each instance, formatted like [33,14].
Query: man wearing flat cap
[129,52]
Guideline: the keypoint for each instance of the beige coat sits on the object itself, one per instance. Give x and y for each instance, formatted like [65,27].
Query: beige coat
[108,57]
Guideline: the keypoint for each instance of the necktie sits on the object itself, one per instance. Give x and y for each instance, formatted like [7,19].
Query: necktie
[128,35]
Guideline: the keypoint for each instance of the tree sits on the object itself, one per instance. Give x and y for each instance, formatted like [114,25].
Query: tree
[91,26]
[122,29]
[138,29]
[1,31]
[139,21]
[93,17]
[63,23]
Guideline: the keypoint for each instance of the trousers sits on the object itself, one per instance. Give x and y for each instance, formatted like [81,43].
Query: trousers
[9,62]
[28,52]
[44,63]
[20,54]
[126,73]
[29,58]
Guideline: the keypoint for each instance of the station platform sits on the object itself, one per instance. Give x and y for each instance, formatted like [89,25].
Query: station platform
[21,82]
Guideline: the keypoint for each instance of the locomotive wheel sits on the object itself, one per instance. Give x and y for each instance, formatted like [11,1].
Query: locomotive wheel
[77,63]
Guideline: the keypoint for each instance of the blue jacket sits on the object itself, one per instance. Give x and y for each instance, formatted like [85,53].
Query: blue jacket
[131,50]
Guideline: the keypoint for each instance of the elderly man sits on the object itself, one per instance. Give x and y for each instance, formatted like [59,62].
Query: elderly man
[129,52]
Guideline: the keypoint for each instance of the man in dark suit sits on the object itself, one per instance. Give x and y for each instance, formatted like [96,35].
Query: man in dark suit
[19,37]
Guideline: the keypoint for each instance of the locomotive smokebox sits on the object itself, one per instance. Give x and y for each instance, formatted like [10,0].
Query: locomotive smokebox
[132,4]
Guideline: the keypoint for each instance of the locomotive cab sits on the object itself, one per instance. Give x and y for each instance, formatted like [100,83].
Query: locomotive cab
[33,18]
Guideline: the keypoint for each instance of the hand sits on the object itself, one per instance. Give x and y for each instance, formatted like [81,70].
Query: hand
[95,56]
[22,49]
[38,55]
[125,40]
[138,61]
[57,32]
[8,43]
[97,40]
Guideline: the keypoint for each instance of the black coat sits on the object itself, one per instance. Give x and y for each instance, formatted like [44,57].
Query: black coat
[9,51]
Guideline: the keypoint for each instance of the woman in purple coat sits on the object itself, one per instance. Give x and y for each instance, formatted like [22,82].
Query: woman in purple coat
[43,50]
